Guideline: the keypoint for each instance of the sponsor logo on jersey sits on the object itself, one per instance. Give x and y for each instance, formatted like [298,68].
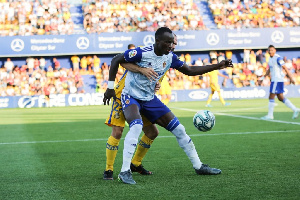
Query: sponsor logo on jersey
[132,53]
[117,115]
[127,101]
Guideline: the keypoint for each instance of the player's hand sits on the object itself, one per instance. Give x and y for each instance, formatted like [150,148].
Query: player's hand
[292,81]
[149,73]
[109,93]
[226,63]
[157,86]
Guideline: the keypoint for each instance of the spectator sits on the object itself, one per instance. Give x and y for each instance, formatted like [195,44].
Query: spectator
[228,54]
[252,58]
[246,57]
[96,63]
[42,63]
[56,64]
[199,62]
[9,65]
[83,63]
[75,62]
[188,59]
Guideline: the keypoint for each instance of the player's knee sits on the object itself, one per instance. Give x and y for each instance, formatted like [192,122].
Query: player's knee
[117,132]
[173,124]
[176,128]
[151,131]
[137,125]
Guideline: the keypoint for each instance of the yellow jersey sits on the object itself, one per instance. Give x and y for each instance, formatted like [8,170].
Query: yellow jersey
[213,76]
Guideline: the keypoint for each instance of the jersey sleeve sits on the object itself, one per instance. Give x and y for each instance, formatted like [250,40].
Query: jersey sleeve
[280,61]
[133,55]
[176,63]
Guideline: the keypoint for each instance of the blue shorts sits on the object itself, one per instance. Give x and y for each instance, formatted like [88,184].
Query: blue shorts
[153,109]
[277,87]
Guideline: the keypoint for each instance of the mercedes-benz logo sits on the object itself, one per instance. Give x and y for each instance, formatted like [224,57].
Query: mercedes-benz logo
[148,40]
[17,45]
[277,37]
[212,39]
[83,43]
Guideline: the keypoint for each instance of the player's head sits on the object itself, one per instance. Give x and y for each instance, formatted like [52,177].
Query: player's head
[214,61]
[271,50]
[175,42]
[164,40]
[131,46]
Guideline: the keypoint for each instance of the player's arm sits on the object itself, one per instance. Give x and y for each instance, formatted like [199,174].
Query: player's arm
[199,70]
[148,72]
[289,74]
[113,70]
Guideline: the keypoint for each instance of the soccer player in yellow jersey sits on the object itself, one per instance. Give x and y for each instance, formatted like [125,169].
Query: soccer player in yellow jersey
[165,90]
[116,120]
[214,85]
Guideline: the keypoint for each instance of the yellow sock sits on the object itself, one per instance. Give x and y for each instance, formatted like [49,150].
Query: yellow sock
[221,98]
[209,99]
[142,149]
[112,147]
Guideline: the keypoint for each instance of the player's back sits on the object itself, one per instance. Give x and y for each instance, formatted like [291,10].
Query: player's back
[275,65]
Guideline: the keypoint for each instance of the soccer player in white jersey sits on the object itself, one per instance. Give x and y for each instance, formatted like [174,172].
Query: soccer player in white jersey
[138,98]
[276,66]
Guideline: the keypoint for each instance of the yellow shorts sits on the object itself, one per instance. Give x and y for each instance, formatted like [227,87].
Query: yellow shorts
[116,117]
[214,87]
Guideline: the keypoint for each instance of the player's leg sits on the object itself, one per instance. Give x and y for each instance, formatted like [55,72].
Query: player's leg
[210,98]
[132,114]
[271,102]
[117,121]
[289,104]
[159,113]
[112,146]
[143,146]
[172,124]
[270,107]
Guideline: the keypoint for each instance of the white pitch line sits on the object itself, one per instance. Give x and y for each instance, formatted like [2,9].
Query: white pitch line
[240,116]
[167,136]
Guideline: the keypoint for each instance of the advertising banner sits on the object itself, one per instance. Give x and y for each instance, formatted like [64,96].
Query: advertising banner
[87,99]
[106,43]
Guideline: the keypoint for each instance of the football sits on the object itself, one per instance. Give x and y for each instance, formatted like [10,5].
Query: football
[204,120]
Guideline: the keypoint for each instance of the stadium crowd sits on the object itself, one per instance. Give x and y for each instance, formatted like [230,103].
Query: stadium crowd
[39,17]
[238,14]
[36,17]
[34,79]
[136,16]
[37,78]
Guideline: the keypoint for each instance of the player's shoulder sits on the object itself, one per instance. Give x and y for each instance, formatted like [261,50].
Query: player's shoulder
[277,56]
[148,48]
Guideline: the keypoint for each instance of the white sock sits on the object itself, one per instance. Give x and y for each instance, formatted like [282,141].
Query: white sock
[186,143]
[130,143]
[289,104]
[271,107]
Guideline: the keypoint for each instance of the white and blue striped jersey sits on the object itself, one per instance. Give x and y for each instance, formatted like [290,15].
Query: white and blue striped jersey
[139,86]
[275,65]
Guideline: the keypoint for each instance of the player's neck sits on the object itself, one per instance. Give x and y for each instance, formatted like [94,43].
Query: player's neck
[156,51]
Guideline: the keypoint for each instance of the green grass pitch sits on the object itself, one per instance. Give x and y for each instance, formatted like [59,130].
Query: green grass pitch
[59,153]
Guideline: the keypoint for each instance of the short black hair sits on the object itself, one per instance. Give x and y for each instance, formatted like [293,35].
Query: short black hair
[271,46]
[130,46]
[161,31]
